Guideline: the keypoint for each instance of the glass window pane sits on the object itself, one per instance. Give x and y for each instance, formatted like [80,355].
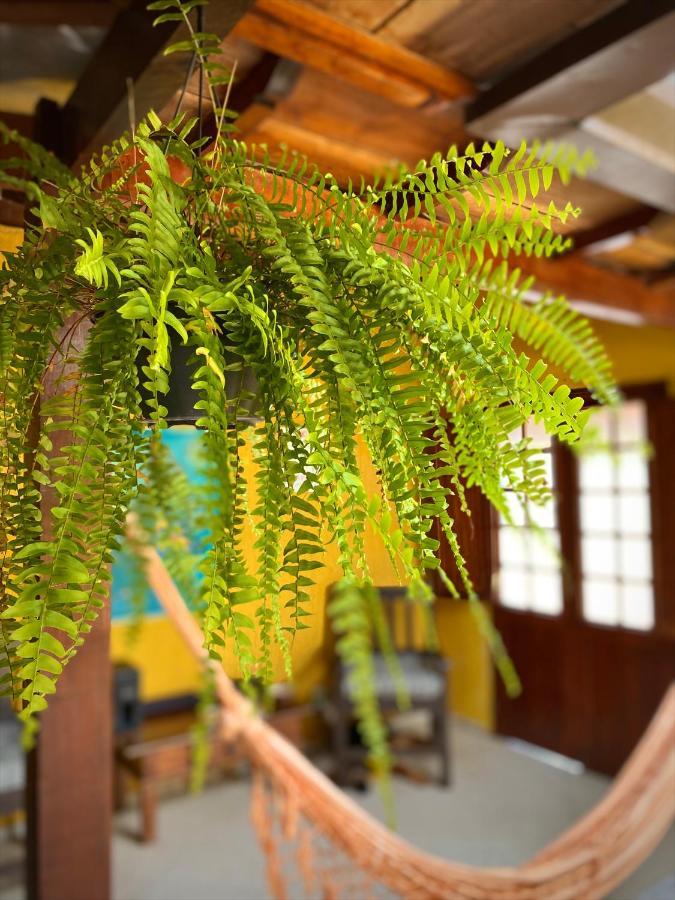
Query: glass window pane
[513,549]
[636,558]
[532,542]
[600,421]
[547,593]
[544,547]
[513,588]
[637,606]
[634,514]
[598,513]
[596,471]
[537,434]
[632,422]
[516,508]
[543,516]
[632,469]
[615,520]
[599,556]
[601,601]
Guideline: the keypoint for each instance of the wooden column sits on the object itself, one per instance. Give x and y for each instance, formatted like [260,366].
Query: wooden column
[69,784]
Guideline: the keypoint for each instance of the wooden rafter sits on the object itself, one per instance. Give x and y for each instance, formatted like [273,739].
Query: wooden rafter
[590,239]
[97,111]
[559,76]
[594,287]
[296,31]
[548,97]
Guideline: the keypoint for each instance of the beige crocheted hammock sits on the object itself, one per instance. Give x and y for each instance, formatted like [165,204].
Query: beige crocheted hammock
[319,843]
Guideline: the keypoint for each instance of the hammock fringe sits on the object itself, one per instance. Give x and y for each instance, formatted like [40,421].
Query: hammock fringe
[587,861]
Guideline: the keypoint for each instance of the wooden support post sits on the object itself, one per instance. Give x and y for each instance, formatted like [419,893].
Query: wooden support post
[69,785]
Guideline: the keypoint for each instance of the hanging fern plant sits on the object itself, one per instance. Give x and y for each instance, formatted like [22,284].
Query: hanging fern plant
[357,325]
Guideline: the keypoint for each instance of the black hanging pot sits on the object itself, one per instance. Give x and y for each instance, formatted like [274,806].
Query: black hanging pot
[181,398]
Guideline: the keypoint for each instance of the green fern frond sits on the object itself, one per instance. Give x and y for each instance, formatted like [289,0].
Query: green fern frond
[325,326]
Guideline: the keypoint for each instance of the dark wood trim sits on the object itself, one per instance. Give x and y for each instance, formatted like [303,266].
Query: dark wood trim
[12,213]
[476,542]
[168,706]
[661,435]
[588,691]
[71,12]
[566,488]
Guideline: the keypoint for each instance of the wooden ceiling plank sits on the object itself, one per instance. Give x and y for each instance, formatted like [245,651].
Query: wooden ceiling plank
[295,13]
[555,96]
[303,48]
[300,32]
[370,15]
[618,54]
[336,110]
[345,161]
[481,38]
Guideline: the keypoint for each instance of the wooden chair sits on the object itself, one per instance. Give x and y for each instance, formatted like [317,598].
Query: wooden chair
[151,763]
[426,677]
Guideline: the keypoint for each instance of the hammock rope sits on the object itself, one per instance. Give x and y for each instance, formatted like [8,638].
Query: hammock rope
[340,851]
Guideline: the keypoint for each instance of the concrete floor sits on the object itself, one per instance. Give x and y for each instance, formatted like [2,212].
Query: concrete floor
[503,807]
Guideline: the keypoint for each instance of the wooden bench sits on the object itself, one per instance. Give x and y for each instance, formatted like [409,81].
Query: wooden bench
[151,763]
[153,757]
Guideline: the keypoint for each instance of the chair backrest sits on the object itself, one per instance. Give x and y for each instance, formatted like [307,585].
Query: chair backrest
[402,617]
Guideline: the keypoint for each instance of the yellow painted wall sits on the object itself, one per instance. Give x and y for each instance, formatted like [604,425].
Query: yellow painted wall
[640,355]
[167,669]
[10,239]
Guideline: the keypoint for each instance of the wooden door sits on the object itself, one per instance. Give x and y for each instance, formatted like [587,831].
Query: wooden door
[596,653]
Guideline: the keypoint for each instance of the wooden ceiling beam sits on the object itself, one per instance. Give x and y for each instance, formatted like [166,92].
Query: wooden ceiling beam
[591,239]
[614,56]
[303,33]
[554,95]
[597,291]
[344,161]
[97,112]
